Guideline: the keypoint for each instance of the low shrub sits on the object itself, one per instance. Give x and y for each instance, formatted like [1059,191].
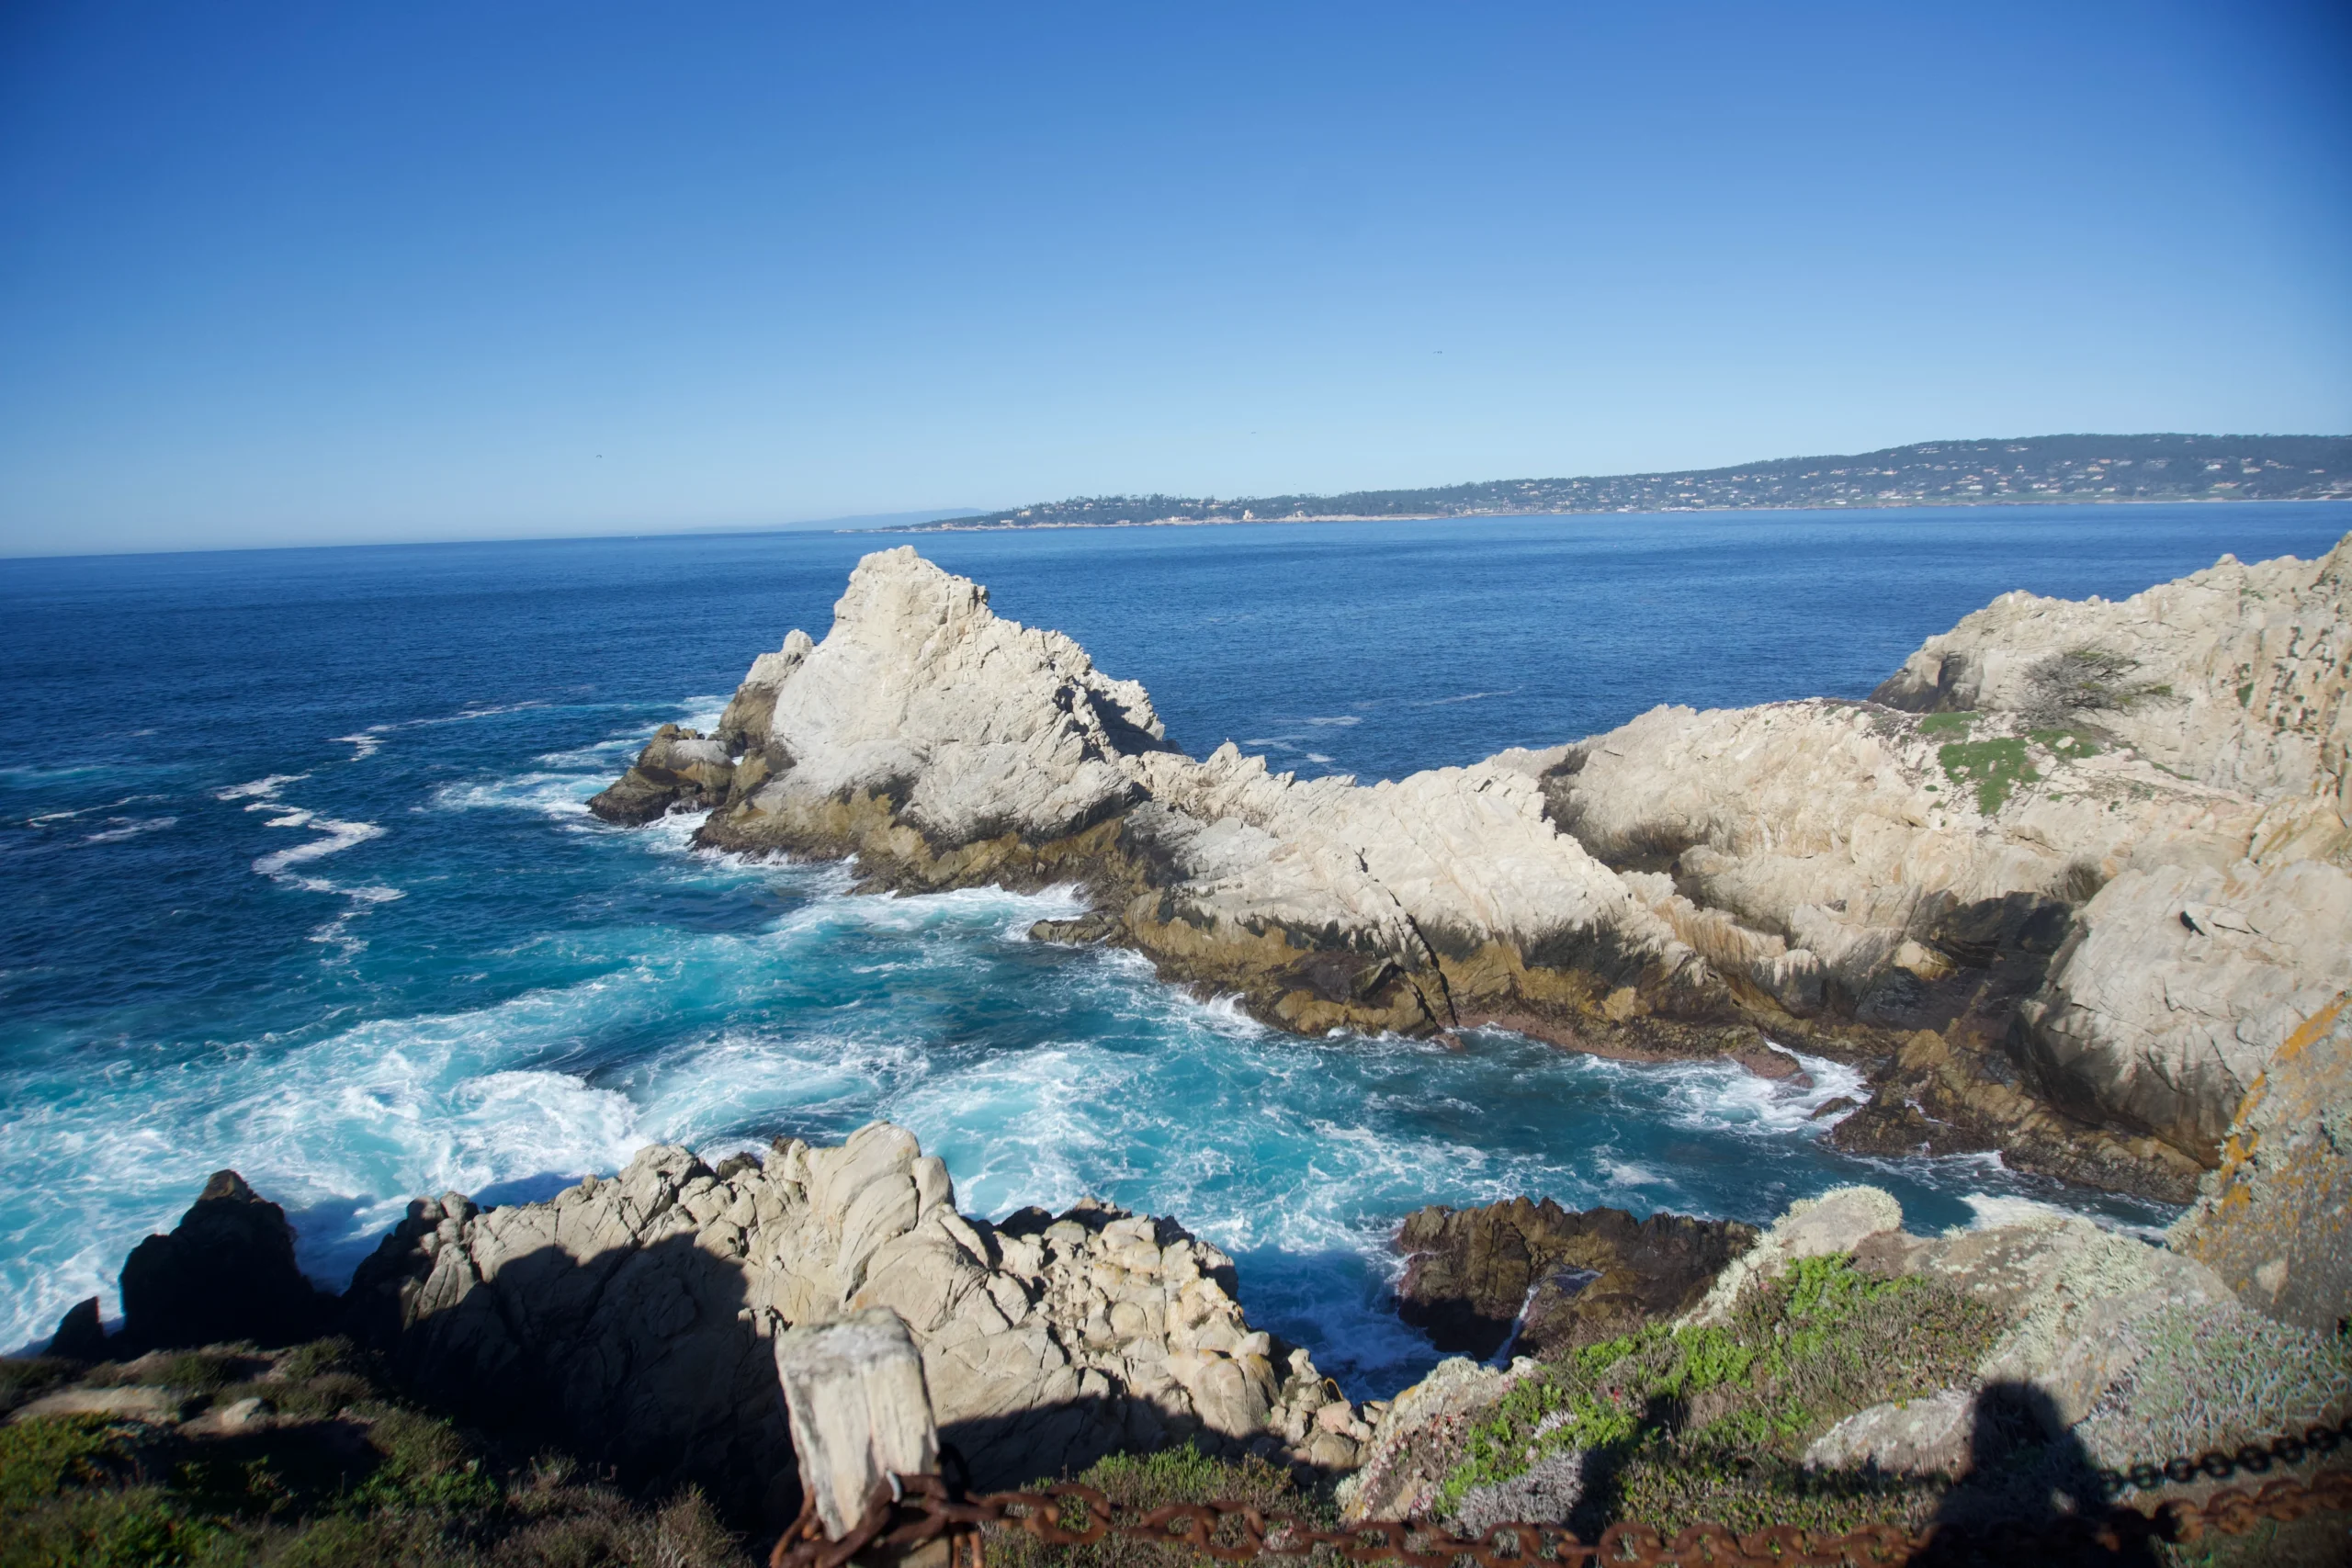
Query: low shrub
[1140,1483]
[1681,1425]
[24,1379]
[380,1485]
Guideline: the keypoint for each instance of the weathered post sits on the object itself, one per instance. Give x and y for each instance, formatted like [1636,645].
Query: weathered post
[860,1414]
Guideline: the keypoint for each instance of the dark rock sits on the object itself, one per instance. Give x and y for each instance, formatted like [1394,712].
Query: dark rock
[1771,1063]
[1960,1093]
[80,1335]
[1832,1106]
[1087,930]
[1557,1279]
[227,1272]
[680,769]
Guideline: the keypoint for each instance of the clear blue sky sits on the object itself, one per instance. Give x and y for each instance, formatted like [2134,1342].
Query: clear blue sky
[302,272]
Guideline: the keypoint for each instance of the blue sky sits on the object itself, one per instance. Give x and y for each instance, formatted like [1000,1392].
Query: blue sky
[304,273]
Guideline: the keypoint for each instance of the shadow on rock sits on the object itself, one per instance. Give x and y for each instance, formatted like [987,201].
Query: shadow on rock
[2031,1493]
[225,1272]
[642,1361]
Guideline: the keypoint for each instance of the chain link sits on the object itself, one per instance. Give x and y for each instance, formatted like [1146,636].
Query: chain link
[910,1510]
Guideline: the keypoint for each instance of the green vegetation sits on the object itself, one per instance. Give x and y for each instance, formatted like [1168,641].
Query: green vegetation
[27,1378]
[1994,767]
[1687,1425]
[1141,1483]
[342,1475]
[2067,743]
[1957,723]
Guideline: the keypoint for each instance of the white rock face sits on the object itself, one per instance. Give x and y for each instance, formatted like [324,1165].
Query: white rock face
[2156,881]
[647,1302]
[2254,658]
[1905,1436]
[2206,844]
[1458,856]
[981,727]
[990,727]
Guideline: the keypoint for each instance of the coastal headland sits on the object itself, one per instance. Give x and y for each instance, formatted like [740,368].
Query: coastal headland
[2071,888]
[2062,887]
[2026,470]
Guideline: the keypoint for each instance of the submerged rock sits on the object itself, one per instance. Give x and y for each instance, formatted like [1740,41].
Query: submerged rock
[1538,1279]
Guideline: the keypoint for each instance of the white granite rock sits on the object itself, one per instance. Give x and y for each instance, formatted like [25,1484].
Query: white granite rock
[1833,836]
[986,725]
[644,1302]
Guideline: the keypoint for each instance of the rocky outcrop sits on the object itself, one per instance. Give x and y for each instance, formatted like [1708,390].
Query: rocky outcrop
[1422,1435]
[2275,1221]
[2105,892]
[1534,1278]
[1839,1221]
[942,746]
[680,769]
[630,1318]
[2102,851]
[2104,1350]
[225,1272]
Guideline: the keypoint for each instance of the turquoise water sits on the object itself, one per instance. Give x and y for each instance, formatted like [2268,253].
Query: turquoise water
[297,879]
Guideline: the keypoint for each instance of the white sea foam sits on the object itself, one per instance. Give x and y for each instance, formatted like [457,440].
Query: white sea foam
[1725,1095]
[364,743]
[259,789]
[48,818]
[1993,1209]
[128,827]
[1465,697]
[562,796]
[334,838]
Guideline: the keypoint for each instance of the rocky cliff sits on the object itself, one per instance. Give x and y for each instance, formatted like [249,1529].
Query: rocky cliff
[2091,864]
[2072,921]
[630,1318]
[2013,1356]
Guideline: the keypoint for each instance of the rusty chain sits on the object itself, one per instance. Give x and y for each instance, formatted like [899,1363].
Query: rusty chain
[910,1511]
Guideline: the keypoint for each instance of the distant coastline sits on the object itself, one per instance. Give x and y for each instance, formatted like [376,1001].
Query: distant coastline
[2024,471]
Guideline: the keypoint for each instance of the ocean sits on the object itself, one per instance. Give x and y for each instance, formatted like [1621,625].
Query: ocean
[297,879]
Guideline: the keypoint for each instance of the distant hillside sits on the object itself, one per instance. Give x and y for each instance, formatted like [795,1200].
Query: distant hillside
[1937,473]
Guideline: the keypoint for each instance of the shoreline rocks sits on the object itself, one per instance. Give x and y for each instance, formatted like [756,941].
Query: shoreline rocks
[631,1318]
[2147,800]
[1534,1278]
[226,1271]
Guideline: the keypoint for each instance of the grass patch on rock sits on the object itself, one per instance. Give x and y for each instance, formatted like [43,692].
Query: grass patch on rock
[1993,768]
[2069,744]
[1957,724]
[1684,1426]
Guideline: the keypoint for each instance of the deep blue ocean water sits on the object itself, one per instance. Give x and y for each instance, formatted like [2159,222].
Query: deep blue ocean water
[297,879]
